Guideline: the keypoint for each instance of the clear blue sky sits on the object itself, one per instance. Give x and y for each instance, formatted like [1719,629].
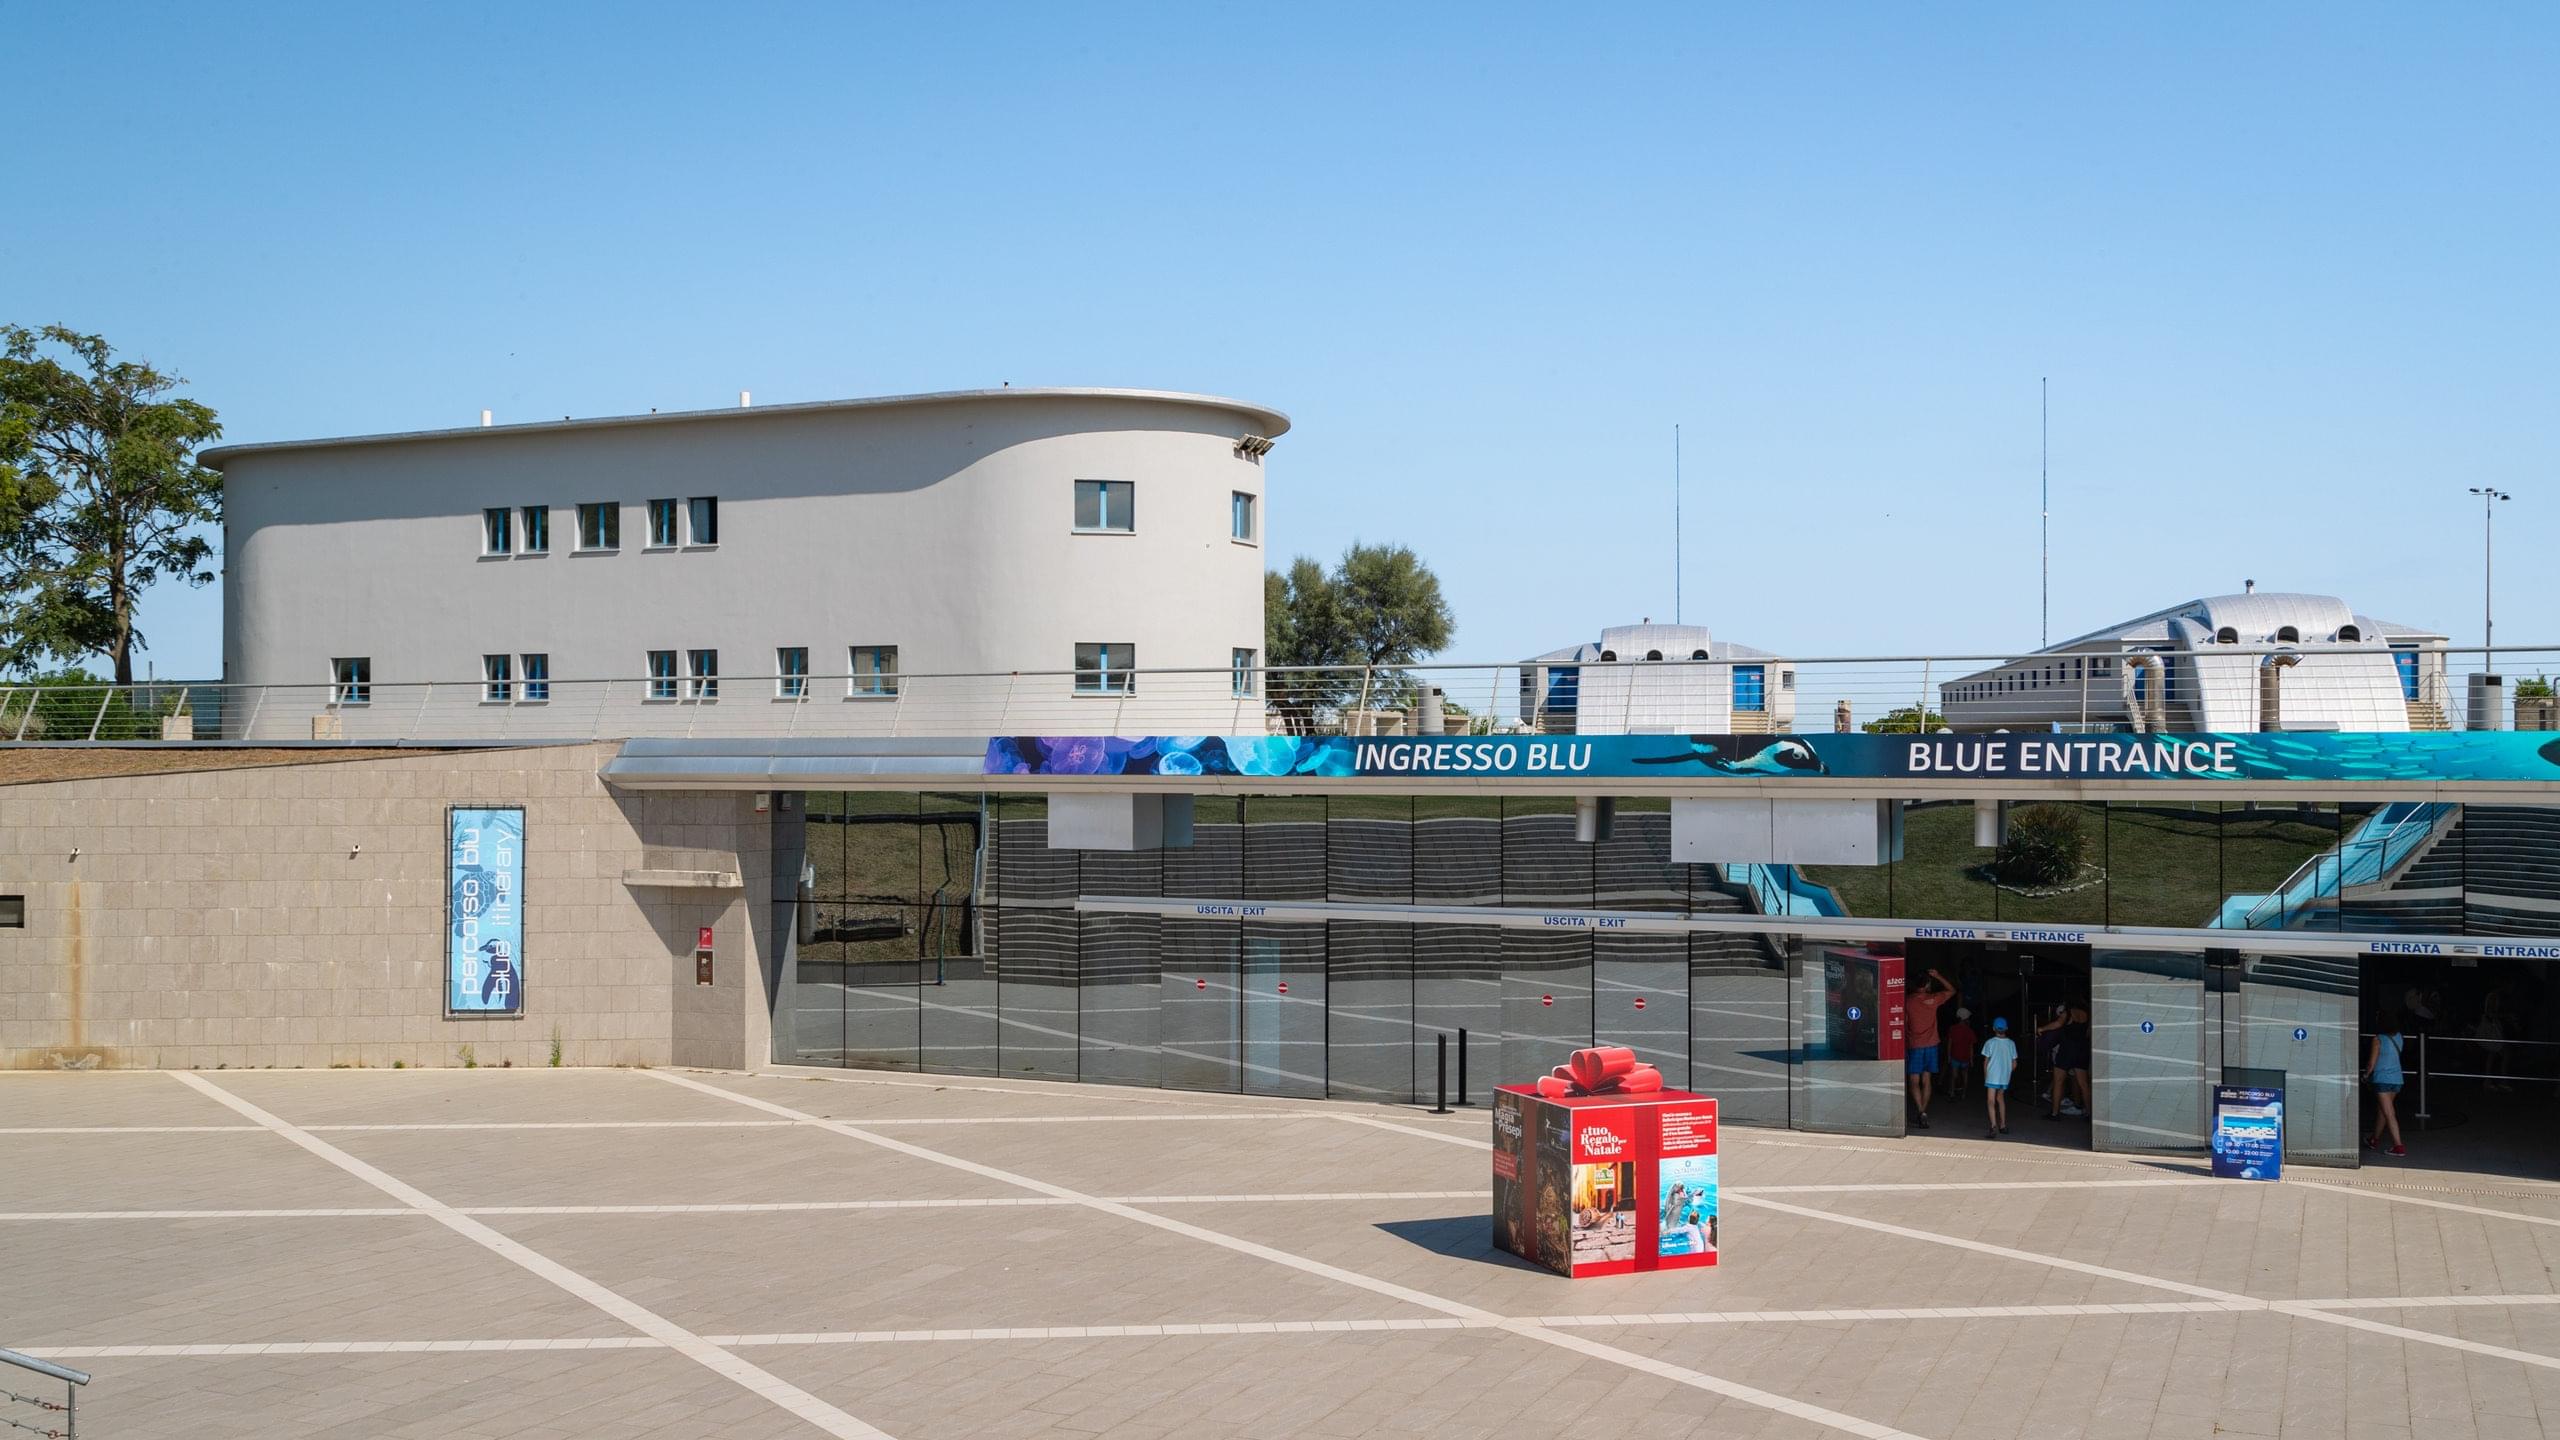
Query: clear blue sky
[2290,269]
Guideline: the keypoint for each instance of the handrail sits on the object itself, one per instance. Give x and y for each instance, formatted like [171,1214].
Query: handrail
[2386,837]
[69,1409]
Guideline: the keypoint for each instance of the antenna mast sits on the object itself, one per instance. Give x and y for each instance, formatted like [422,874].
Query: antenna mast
[2044,517]
[1675,523]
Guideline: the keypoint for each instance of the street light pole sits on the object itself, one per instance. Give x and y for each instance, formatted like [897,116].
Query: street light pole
[2489,498]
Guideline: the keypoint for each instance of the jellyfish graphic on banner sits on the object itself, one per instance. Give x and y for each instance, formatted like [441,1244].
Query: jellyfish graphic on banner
[484,939]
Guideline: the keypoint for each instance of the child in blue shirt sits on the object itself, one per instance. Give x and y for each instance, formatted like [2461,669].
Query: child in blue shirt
[1999,1062]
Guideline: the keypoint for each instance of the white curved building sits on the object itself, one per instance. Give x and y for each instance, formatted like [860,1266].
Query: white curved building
[1653,679]
[921,564]
[2252,661]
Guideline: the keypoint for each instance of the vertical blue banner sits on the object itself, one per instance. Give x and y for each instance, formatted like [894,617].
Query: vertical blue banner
[484,912]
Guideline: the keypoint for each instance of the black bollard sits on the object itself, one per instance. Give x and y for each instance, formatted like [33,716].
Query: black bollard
[1443,1107]
[1462,1065]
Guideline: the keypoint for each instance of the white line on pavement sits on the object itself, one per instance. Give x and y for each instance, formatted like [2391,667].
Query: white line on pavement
[742,1207]
[1679,1375]
[745,1373]
[132,1130]
[2361,1193]
[1312,1327]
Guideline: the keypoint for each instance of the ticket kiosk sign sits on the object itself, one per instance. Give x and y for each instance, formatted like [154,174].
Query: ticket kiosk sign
[1605,1184]
[2248,1132]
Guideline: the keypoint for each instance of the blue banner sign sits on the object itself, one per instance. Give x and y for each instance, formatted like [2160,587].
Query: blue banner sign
[2248,1132]
[484,912]
[2336,756]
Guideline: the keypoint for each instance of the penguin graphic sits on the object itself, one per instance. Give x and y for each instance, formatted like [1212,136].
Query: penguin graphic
[501,980]
[1766,756]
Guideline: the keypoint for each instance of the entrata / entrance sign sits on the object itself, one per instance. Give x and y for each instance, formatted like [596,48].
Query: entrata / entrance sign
[2416,755]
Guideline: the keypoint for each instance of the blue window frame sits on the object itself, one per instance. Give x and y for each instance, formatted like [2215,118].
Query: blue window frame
[662,674]
[2407,660]
[1751,688]
[791,664]
[1106,669]
[537,677]
[1243,675]
[1106,505]
[875,670]
[1240,516]
[496,671]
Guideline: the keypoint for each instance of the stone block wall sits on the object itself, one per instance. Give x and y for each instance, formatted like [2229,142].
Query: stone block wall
[293,915]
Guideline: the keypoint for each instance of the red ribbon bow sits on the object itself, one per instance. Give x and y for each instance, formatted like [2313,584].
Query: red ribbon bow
[1601,1070]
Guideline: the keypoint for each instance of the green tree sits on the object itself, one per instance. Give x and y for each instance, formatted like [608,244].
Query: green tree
[2044,847]
[1906,721]
[1379,608]
[100,495]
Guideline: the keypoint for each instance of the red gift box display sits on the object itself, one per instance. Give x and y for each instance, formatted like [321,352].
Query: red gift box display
[1599,1170]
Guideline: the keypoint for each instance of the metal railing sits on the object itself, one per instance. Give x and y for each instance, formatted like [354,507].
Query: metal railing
[1627,696]
[68,1410]
[2386,838]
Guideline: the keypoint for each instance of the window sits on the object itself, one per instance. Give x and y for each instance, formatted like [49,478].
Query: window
[495,673]
[1786,680]
[662,674]
[1105,669]
[702,520]
[662,523]
[791,666]
[1106,505]
[2227,635]
[497,531]
[1243,666]
[1751,687]
[2407,662]
[875,670]
[353,679]
[600,525]
[537,529]
[704,666]
[537,678]
[2287,635]
[1240,516]
[13,912]
[2350,634]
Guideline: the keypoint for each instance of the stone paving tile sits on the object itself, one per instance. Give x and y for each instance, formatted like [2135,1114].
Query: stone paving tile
[433,1097]
[932,1269]
[198,1282]
[128,1097]
[655,1167]
[1770,1260]
[246,1170]
[1232,1157]
[853,1096]
[2277,1241]
[1448,1385]
[518,1396]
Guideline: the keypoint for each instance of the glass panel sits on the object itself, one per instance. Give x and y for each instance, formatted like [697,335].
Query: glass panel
[1457,985]
[2055,854]
[1942,875]
[1369,1044]
[1036,993]
[1284,1008]
[2509,857]
[1640,998]
[1738,1036]
[1844,1080]
[1546,1001]
[959,992]
[1088,505]
[1633,868]
[1284,847]
[2148,1080]
[1542,864]
[863,847]
[874,951]
[1369,848]
[2317,996]
[1457,851]
[1201,1011]
[1021,866]
[2409,877]
[810,1030]
[2164,863]
[1213,868]
[1120,990]
[2264,845]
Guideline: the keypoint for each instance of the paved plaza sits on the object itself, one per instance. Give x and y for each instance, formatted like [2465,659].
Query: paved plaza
[557,1253]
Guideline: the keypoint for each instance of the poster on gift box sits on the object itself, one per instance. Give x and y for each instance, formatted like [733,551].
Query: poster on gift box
[484,911]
